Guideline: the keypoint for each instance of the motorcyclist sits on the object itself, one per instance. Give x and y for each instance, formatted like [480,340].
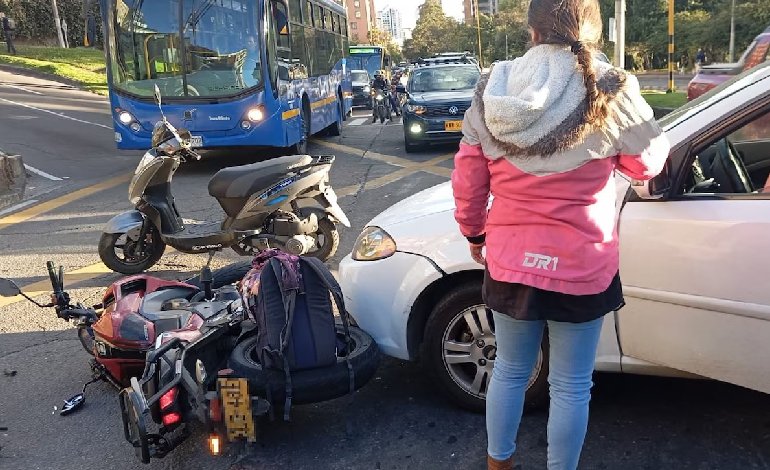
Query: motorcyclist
[379,83]
[394,96]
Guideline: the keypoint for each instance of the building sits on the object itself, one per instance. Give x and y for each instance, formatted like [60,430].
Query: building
[389,19]
[362,18]
[489,7]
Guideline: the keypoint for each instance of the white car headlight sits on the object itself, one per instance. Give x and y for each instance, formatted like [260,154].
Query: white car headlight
[374,243]
[367,89]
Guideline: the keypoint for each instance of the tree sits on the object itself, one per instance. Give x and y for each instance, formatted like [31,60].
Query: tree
[434,32]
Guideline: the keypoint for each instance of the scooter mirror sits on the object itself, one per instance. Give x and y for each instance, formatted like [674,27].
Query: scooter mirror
[8,288]
[73,404]
[157,95]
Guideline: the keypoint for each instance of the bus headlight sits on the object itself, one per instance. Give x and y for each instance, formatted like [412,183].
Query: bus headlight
[136,127]
[125,117]
[255,114]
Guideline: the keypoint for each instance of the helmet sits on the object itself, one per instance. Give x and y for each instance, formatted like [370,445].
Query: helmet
[379,73]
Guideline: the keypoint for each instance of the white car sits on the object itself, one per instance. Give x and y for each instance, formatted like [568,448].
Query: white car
[695,264]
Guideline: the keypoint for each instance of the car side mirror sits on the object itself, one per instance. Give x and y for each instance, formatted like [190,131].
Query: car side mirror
[8,288]
[656,187]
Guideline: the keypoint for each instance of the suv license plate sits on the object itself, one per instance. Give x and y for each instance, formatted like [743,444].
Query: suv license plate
[196,141]
[453,126]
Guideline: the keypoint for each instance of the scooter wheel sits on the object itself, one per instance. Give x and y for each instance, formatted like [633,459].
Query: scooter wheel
[327,240]
[116,252]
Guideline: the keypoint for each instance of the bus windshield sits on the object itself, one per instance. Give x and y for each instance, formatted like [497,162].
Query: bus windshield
[190,48]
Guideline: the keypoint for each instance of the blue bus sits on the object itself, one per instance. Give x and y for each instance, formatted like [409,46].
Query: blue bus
[233,72]
[369,58]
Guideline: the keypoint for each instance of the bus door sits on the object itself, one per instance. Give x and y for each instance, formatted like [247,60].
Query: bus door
[282,69]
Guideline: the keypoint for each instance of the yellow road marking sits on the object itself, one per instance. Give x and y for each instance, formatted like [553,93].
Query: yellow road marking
[427,167]
[71,278]
[43,287]
[48,206]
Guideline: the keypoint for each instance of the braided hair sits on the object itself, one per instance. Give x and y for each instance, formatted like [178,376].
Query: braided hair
[577,24]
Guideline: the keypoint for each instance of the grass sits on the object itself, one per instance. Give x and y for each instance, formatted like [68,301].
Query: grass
[81,65]
[661,99]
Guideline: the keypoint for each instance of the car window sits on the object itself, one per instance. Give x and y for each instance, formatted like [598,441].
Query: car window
[444,79]
[360,77]
[738,163]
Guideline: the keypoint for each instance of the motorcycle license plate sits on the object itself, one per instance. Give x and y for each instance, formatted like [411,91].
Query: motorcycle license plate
[236,409]
[196,141]
[453,126]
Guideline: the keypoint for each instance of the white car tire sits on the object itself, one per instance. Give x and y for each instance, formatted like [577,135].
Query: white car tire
[461,361]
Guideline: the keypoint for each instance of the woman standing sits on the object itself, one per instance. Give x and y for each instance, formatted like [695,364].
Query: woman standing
[544,136]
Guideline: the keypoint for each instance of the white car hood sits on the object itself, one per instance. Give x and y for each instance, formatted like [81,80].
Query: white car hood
[433,200]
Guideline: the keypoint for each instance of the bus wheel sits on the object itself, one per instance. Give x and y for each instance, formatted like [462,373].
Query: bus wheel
[335,128]
[300,148]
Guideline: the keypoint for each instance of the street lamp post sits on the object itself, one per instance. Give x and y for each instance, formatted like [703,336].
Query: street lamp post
[670,46]
[732,33]
[478,31]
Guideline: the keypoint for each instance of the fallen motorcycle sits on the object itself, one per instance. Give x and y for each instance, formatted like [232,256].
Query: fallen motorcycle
[218,379]
[285,203]
[134,311]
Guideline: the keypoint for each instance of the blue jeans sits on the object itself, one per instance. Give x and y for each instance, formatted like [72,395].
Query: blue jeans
[572,355]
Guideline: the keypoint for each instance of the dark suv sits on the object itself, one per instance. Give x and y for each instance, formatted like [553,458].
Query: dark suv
[439,92]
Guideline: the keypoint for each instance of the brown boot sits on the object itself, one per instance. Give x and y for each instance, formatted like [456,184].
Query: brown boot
[493,464]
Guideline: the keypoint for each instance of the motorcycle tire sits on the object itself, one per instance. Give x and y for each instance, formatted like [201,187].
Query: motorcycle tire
[331,240]
[110,259]
[382,114]
[310,385]
[223,276]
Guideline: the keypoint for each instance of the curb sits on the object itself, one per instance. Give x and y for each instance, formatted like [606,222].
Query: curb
[13,179]
[45,76]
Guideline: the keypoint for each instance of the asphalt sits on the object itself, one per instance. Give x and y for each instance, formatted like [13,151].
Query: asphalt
[399,421]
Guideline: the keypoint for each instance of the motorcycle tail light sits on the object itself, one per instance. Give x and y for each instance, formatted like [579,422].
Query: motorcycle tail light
[170,419]
[215,445]
[167,399]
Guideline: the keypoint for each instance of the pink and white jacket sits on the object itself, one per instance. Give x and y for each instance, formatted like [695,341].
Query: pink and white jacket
[551,224]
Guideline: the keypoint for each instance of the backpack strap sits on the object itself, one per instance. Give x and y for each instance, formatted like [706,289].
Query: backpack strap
[289,297]
[323,272]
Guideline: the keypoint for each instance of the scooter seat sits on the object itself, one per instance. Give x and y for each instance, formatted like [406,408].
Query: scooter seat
[166,320]
[238,182]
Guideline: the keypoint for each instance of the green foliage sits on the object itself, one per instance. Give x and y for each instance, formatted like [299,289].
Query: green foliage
[81,65]
[35,24]
[660,99]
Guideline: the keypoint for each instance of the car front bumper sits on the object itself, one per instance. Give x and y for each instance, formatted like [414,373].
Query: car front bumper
[379,295]
[432,129]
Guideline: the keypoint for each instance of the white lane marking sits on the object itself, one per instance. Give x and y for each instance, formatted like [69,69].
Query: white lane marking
[42,173]
[22,89]
[358,122]
[64,116]
[18,206]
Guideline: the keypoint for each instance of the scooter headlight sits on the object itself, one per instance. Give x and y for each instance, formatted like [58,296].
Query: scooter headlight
[374,243]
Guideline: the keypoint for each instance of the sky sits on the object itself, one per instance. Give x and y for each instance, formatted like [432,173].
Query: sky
[408,9]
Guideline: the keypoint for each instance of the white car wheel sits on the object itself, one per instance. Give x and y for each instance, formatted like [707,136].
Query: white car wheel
[459,350]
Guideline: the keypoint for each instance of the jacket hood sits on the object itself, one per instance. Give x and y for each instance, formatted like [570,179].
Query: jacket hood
[536,104]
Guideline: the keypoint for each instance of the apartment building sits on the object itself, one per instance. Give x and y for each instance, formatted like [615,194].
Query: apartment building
[362,18]
[389,19]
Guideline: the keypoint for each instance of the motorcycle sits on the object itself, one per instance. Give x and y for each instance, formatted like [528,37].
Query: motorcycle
[284,203]
[135,310]
[381,105]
